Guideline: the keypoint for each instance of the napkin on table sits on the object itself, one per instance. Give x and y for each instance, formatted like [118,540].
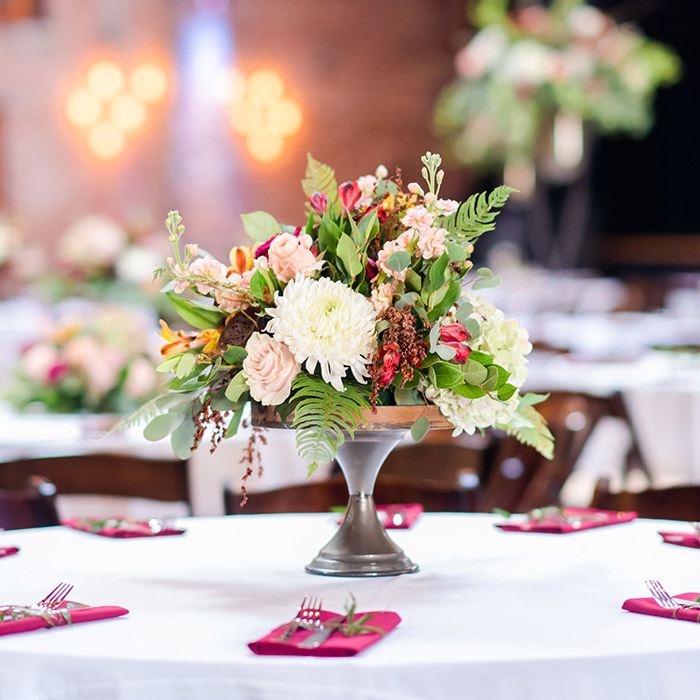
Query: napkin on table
[583,519]
[684,539]
[337,644]
[8,551]
[133,528]
[77,615]
[648,606]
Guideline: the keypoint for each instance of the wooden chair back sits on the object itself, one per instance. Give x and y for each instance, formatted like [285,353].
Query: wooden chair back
[31,506]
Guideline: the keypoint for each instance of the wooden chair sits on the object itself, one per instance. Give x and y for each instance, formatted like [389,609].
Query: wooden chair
[674,503]
[31,506]
[105,475]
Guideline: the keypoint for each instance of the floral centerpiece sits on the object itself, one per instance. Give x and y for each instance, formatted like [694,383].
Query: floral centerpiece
[100,365]
[372,302]
[524,68]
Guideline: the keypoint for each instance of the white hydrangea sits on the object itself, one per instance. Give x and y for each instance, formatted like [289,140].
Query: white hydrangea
[508,342]
[326,323]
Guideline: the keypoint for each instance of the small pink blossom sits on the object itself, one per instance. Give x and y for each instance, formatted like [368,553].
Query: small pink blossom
[415,188]
[270,369]
[418,217]
[391,247]
[290,255]
[445,207]
[382,296]
[208,268]
[431,242]
[236,299]
[192,249]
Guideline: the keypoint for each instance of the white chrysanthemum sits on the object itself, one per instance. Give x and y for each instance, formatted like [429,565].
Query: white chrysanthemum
[502,337]
[469,414]
[325,322]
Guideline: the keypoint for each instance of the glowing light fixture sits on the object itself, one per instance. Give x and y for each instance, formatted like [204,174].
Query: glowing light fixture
[106,110]
[260,112]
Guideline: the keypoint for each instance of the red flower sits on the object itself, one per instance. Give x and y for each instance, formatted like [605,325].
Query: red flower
[319,202]
[57,372]
[463,352]
[454,333]
[350,194]
[262,250]
[389,357]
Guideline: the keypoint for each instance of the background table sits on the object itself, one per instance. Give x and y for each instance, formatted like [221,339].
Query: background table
[490,615]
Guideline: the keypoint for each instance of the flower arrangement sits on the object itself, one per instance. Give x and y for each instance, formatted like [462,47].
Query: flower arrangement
[368,304]
[522,68]
[96,366]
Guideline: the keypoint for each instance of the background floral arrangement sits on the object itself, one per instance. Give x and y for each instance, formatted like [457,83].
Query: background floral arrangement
[523,67]
[101,365]
[368,304]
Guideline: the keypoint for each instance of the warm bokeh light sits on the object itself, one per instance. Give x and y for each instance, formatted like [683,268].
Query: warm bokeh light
[264,146]
[105,140]
[148,83]
[265,87]
[127,113]
[284,117]
[83,109]
[245,116]
[105,80]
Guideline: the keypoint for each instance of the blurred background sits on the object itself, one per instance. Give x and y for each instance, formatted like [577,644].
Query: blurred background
[113,112]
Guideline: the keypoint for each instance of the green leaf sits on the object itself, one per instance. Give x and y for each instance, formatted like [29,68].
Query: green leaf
[481,357]
[530,428]
[369,226]
[199,315]
[447,375]
[161,426]
[469,391]
[476,216]
[437,271]
[357,236]
[257,285]
[328,235]
[474,372]
[456,252]
[235,421]
[413,280]
[260,225]
[168,364]
[398,261]
[182,439]
[321,178]
[408,397]
[491,381]
[309,230]
[463,310]
[440,309]
[185,366]
[506,392]
[486,283]
[347,253]
[473,327]
[445,351]
[531,399]
[420,428]
[235,355]
[177,399]
[236,388]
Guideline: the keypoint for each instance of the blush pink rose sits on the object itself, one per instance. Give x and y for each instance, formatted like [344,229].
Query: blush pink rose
[289,255]
[270,369]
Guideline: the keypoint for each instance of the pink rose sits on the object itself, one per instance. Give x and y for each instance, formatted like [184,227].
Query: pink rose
[290,255]
[270,369]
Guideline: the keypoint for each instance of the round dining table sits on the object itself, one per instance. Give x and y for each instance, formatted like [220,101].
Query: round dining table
[490,614]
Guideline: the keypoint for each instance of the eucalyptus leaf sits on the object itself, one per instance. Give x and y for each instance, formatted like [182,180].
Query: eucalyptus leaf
[469,391]
[185,366]
[398,261]
[474,373]
[235,421]
[168,364]
[486,283]
[463,311]
[182,439]
[235,354]
[420,428]
[177,399]
[413,280]
[506,392]
[491,381]
[445,351]
[161,426]
[260,225]
[236,388]
[447,374]
[408,397]
[456,252]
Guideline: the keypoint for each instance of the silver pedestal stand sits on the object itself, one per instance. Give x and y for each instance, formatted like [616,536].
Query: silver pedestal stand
[361,546]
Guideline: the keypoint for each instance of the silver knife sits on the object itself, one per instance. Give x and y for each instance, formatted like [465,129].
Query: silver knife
[317,638]
[685,603]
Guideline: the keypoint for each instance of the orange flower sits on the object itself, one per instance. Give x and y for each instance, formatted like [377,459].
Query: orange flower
[175,342]
[210,336]
[241,259]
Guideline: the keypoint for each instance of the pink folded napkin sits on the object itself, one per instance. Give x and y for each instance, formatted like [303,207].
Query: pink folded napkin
[684,539]
[77,615]
[8,551]
[337,644]
[648,606]
[578,519]
[119,528]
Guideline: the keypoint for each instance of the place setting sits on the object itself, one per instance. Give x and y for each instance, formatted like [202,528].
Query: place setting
[684,539]
[682,606]
[125,527]
[559,521]
[314,631]
[8,551]
[53,610]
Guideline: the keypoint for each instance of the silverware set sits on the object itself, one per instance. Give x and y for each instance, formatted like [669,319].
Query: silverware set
[308,618]
[664,598]
[52,600]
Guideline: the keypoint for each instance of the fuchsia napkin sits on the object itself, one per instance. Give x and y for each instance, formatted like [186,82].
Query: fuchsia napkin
[589,518]
[130,528]
[684,539]
[336,645]
[8,551]
[648,606]
[77,615]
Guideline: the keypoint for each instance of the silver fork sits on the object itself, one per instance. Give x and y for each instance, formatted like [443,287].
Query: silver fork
[696,526]
[56,597]
[307,616]
[664,599]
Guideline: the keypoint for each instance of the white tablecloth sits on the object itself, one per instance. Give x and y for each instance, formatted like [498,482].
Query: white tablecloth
[490,614]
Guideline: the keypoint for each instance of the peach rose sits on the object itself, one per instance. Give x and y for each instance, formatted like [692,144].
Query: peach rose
[290,255]
[270,369]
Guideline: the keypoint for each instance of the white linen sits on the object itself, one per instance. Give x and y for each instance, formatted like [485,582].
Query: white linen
[490,614]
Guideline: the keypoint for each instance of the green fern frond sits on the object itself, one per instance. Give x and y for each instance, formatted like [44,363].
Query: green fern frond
[530,428]
[323,417]
[477,215]
[143,414]
[321,178]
